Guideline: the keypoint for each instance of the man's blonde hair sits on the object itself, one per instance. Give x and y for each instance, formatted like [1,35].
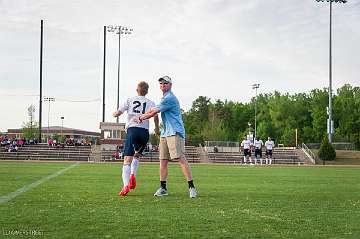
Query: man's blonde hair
[143,88]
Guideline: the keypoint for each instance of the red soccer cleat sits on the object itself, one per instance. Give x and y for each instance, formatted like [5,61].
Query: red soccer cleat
[132,183]
[124,191]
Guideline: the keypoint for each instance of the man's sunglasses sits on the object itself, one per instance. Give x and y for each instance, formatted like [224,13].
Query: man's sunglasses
[164,83]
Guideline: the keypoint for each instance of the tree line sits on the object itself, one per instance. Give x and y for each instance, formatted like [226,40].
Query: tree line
[278,116]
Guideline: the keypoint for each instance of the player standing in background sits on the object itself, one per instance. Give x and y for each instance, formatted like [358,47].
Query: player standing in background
[258,150]
[269,144]
[137,134]
[246,145]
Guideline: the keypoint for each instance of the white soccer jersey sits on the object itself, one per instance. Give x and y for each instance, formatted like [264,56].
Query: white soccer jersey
[246,143]
[258,144]
[135,107]
[269,144]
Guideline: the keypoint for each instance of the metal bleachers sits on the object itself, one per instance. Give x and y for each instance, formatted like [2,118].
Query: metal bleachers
[45,152]
[281,155]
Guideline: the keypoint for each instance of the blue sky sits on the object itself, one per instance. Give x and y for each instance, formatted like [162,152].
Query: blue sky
[215,48]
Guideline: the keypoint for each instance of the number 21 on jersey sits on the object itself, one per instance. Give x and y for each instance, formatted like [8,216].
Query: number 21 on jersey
[137,107]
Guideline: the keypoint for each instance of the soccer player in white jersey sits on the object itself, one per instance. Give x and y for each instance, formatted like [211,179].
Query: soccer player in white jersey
[258,150]
[137,134]
[269,144]
[246,145]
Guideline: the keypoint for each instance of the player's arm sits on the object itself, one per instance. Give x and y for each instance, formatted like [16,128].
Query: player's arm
[156,121]
[123,108]
[117,113]
[148,115]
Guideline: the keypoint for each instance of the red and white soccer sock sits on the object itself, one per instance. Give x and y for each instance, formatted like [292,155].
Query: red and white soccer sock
[126,174]
[134,166]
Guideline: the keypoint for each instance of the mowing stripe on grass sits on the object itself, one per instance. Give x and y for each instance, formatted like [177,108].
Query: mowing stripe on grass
[12,195]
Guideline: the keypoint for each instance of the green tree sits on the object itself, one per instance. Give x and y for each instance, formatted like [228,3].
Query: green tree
[278,115]
[346,113]
[326,151]
[318,104]
[30,129]
[194,119]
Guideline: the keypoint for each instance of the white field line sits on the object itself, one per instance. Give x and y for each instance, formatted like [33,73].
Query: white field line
[12,195]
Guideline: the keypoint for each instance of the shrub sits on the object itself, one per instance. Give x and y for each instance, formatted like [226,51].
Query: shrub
[326,151]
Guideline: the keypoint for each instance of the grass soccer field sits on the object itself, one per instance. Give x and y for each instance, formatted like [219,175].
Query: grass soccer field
[68,200]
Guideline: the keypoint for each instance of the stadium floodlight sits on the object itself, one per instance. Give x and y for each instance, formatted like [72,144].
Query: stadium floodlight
[337,1]
[255,86]
[330,124]
[49,99]
[120,30]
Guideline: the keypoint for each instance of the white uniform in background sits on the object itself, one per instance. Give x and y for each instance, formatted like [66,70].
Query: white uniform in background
[269,144]
[246,144]
[258,146]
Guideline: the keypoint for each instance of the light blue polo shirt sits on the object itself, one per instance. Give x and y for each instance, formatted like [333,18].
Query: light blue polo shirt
[171,116]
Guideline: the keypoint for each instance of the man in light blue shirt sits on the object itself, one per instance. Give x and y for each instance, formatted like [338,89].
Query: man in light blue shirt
[171,116]
[172,137]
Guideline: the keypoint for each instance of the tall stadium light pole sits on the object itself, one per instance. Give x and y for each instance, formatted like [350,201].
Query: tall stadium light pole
[255,86]
[104,61]
[119,30]
[62,125]
[40,101]
[330,124]
[49,99]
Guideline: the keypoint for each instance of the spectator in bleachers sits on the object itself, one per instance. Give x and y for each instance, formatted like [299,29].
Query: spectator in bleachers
[269,144]
[116,155]
[5,141]
[155,148]
[12,148]
[50,142]
[77,142]
[70,142]
[19,142]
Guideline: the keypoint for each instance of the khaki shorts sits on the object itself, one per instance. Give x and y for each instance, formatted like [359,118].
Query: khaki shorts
[172,147]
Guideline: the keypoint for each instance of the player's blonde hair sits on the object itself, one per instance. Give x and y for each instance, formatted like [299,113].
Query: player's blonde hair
[143,88]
